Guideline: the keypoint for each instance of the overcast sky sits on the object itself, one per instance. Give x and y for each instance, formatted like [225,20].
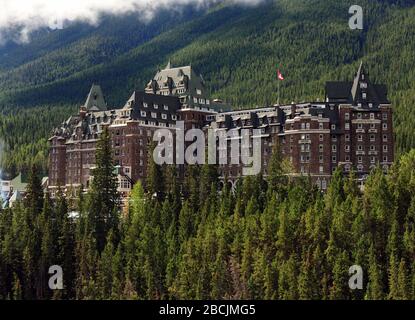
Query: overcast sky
[30,15]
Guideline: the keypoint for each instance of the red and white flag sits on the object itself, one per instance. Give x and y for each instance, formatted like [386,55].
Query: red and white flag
[280,76]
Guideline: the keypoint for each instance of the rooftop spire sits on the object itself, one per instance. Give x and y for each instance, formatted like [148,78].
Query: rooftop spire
[360,75]
[95,100]
[168,65]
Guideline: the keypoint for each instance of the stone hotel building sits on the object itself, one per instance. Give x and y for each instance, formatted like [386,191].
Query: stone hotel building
[352,129]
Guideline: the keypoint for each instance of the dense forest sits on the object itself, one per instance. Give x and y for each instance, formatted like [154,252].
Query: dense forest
[236,48]
[270,239]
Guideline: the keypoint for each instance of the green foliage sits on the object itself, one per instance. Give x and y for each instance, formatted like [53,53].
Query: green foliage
[298,244]
[103,198]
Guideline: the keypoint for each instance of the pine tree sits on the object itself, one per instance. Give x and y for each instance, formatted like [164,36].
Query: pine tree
[17,288]
[375,290]
[103,204]
[155,178]
[403,281]
[34,193]
[277,180]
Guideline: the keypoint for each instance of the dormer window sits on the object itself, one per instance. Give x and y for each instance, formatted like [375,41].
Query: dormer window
[364,95]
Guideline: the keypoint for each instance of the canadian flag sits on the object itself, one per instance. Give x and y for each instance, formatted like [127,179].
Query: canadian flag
[280,76]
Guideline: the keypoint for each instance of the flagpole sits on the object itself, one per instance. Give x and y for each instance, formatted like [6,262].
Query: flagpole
[278,101]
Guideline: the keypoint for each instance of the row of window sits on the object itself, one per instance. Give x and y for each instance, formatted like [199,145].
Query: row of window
[305,158]
[360,126]
[306,148]
[156,106]
[360,116]
[201,101]
[154,115]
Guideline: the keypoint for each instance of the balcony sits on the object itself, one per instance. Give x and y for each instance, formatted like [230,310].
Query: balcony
[360,153]
[360,131]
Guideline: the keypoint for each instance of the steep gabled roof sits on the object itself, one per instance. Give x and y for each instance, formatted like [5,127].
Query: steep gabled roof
[360,91]
[95,100]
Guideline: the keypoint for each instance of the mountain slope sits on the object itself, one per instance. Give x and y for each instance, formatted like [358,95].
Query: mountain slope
[237,50]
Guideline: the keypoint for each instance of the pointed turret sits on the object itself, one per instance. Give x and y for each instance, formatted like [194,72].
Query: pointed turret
[360,76]
[168,65]
[95,100]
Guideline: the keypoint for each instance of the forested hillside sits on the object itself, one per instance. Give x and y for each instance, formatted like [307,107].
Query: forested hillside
[237,49]
[274,239]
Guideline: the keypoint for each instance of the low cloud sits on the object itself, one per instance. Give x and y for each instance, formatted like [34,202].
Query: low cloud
[18,18]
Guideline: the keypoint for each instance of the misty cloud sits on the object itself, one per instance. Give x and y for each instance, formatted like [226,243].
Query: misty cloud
[18,18]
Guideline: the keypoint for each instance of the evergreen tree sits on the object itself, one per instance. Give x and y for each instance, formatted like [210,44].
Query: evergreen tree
[103,203]
[34,193]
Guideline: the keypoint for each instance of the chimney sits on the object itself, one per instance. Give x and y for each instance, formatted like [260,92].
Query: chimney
[293,109]
[82,112]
